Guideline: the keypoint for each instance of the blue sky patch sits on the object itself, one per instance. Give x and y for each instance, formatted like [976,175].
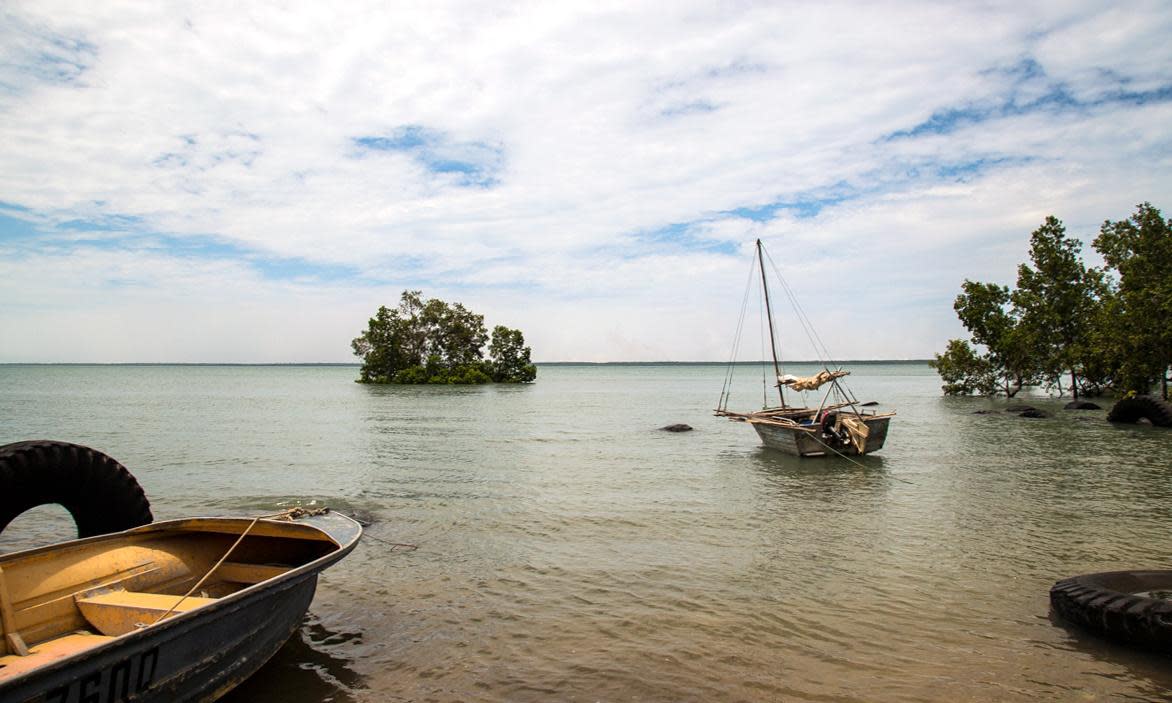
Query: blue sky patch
[43,57]
[689,108]
[209,248]
[966,170]
[1031,90]
[124,233]
[684,235]
[15,228]
[202,153]
[297,269]
[475,163]
[103,223]
[802,206]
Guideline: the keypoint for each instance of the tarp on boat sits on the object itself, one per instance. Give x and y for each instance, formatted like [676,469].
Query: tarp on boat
[810,383]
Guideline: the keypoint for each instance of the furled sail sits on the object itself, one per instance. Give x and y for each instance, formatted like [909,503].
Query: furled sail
[810,383]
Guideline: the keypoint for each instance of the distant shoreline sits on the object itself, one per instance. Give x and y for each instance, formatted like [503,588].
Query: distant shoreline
[357,365]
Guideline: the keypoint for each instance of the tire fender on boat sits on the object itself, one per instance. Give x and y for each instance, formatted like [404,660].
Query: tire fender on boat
[100,494]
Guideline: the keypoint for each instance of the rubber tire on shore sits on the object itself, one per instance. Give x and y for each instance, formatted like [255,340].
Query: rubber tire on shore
[100,494]
[1107,603]
[1156,410]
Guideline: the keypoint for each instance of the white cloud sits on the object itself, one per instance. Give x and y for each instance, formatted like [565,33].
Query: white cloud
[611,122]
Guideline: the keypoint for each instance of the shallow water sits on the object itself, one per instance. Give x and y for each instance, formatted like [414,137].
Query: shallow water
[568,550]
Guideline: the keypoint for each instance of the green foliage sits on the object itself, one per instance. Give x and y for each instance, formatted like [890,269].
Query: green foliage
[510,357]
[430,341]
[1137,332]
[964,371]
[1059,299]
[1007,366]
[1065,320]
[381,347]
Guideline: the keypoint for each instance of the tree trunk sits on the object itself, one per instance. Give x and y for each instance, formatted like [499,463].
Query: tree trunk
[1073,384]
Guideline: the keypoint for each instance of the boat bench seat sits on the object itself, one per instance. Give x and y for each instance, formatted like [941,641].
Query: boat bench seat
[115,613]
[239,572]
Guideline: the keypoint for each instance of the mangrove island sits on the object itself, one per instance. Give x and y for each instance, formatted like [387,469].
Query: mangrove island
[430,341]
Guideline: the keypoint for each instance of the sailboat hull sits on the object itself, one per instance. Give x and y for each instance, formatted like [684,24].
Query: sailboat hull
[807,440]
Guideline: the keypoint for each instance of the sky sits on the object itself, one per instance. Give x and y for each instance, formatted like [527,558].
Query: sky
[248,182]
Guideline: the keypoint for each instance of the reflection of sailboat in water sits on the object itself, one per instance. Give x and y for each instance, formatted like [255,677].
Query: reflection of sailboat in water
[837,425]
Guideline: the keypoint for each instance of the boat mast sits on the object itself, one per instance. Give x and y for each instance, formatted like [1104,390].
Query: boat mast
[769,312]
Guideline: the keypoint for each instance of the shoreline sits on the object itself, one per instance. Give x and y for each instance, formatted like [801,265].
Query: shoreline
[341,364]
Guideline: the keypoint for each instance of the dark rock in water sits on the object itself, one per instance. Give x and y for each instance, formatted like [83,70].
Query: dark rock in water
[986,412]
[1033,412]
[1081,405]
[677,428]
[1019,408]
[869,403]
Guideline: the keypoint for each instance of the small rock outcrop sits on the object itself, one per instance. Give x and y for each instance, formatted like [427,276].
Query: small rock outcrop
[1033,412]
[1081,405]
[679,427]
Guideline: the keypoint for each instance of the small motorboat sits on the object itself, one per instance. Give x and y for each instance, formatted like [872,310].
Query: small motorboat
[180,610]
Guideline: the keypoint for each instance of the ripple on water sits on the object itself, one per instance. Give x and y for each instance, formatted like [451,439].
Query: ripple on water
[570,551]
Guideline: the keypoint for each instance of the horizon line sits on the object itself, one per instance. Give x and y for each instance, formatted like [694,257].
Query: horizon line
[536,363]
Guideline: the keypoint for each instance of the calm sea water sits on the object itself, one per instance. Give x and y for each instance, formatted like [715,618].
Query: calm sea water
[568,550]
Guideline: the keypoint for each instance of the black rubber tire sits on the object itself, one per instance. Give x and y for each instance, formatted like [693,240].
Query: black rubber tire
[1107,603]
[100,494]
[1156,410]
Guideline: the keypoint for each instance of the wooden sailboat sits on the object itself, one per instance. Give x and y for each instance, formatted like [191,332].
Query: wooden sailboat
[838,425]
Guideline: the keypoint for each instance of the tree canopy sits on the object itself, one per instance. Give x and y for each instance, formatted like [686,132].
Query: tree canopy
[1139,314]
[1058,298]
[1065,320]
[430,341]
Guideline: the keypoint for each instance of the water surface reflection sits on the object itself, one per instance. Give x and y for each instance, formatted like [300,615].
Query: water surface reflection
[310,668]
[569,550]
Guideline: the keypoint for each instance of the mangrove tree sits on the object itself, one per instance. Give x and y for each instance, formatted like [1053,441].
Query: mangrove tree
[429,341]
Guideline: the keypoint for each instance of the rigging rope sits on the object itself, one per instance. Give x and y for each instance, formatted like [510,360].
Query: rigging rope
[726,390]
[761,336]
[820,348]
[291,514]
[857,463]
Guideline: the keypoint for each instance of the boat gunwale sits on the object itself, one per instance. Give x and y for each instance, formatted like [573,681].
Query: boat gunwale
[777,416]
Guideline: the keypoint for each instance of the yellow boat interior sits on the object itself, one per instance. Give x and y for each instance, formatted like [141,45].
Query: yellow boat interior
[59,600]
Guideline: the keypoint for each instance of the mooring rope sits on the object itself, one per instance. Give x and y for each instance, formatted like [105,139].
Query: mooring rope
[213,569]
[291,514]
[856,463]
